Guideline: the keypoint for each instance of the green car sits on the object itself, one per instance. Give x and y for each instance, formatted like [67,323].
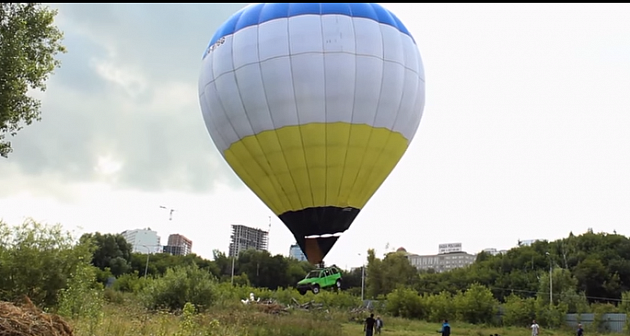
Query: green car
[316,280]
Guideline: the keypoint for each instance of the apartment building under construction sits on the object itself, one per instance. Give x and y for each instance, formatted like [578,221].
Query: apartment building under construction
[245,237]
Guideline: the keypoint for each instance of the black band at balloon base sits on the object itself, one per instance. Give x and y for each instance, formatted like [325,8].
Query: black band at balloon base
[318,221]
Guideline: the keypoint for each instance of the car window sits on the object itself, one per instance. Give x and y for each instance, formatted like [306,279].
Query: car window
[313,274]
[327,272]
[334,270]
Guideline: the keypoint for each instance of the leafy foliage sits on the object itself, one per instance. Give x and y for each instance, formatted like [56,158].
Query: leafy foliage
[57,271]
[83,297]
[178,286]
[37,260]
[29,42]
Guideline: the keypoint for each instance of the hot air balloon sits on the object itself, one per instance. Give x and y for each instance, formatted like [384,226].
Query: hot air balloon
[312,105]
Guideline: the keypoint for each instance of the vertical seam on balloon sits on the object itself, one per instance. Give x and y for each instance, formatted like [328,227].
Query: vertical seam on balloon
[262,78]
[325,187]
[419,65]
[297,111]
[230,122]
[269,170]
[389,134]
[212,126]
[380,95]
[354,101]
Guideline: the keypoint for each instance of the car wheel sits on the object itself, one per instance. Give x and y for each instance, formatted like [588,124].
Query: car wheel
[316,289]
[302,292]
[338,284]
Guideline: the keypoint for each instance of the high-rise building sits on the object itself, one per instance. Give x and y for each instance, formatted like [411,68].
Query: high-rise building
[449,256]
[245,237]
[178,245]
[296,252]
[528,242]
[494,251]
[143,240]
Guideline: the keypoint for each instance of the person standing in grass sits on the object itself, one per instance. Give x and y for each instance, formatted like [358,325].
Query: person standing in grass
[368,327]
[446,329]
[379,325]
[535,328]
[580,331]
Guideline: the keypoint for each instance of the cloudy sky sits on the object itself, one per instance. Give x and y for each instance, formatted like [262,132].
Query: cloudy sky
[525,132]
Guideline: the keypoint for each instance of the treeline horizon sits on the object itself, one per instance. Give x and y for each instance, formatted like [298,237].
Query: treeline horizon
[62,273]
[593,265]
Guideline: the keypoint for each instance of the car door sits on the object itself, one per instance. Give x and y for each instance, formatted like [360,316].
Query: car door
[329,281]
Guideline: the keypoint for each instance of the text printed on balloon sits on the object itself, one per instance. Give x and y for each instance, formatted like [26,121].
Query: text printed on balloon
[214,46]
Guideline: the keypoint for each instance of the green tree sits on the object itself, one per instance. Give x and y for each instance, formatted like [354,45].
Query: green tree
[592,277]
[178,286]
[476,304]
[518,311]
[111,251]
[385,275]
[83,297]
[563,282]
[440,306]
[29,41]
[405,302]
[38,260]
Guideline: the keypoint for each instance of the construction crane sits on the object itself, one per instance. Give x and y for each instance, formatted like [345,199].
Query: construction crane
[170,212]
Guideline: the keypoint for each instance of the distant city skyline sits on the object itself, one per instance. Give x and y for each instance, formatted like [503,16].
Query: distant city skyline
[259,237]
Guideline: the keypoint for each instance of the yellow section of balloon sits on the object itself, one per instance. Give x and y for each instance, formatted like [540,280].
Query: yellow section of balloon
[312,165]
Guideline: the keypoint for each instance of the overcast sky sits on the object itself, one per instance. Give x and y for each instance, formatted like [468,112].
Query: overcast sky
[525,132]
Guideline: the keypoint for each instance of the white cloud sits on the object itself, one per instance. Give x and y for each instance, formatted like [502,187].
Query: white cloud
[133,83]
[524,133]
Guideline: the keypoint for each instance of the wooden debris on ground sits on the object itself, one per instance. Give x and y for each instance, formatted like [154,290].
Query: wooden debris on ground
[271,306]
[28,320]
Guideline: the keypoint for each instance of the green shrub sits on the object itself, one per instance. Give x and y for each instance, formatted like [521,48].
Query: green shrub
[36,260]
[476,305]
[130,283]
[550,316]
[83,298]
[180,285]
[599,310]
[440,307]
[518,311]
[405,302]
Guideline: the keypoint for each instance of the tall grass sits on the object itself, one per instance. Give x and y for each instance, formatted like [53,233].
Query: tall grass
[234,320]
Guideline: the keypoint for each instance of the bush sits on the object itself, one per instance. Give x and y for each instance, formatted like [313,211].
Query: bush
[599,310]
[550,316]
[130,283]
[405,302]
[441,307]
[476,305]
[36,260]
[83,298]
[180,285]
[518,311]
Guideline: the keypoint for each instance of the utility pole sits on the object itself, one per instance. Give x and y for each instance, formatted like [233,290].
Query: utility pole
[146,267]
[362,279]
[269,234]
[550,280]
[233,258]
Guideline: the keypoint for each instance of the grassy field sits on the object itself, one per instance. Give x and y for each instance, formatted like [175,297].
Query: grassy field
[238,320]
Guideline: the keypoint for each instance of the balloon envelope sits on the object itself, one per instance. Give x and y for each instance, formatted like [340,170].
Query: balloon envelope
[312,105]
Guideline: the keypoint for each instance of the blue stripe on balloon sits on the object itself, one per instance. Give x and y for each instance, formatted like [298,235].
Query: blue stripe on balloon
[259,13]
